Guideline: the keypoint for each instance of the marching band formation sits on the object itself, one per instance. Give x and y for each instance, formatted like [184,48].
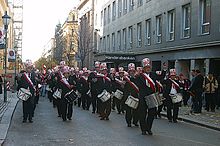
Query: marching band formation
[139,93]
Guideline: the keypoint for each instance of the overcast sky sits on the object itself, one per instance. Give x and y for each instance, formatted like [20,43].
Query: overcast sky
[39,20]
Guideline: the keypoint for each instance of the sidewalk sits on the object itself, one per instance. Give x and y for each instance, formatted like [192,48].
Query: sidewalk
[6,112]
[205,119]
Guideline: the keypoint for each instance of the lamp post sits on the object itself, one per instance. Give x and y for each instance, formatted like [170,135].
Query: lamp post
[6,20]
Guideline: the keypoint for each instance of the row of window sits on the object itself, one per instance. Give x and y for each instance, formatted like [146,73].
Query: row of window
[122,7]
[123,44]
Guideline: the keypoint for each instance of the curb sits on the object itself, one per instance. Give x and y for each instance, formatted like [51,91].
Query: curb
[181,118]
[6,119]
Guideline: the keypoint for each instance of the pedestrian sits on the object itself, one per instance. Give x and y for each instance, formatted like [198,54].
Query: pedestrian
[196,90]
[146,84]
[210,86]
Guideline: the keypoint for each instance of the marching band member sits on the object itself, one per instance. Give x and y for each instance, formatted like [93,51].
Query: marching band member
[113,85]
[94,86]
[84,89]
[49,84]
[79,74]
[185,83]
[160,91]
[171,88]
[139,71]
[26,82]
[131,89]
[66,108]
[120,86]
[146,84]
[104,84]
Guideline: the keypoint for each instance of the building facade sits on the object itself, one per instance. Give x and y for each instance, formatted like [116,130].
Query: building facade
[86,47]
[184,33]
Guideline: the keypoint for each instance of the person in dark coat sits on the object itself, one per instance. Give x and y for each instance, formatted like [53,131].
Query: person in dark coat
[171,88]
[66,108]
[146,84]
[26,82]
[104,82]
[196,90]
[131,89]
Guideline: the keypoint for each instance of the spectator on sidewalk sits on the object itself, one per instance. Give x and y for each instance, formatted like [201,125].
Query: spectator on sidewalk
[210,86]
[196,90]
[1,82]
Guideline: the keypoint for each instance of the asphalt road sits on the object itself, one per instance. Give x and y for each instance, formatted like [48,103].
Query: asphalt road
[86,129]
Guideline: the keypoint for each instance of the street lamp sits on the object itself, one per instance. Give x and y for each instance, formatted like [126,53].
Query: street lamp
[6,21]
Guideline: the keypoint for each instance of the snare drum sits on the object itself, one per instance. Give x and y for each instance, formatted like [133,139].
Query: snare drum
[176,97]
[24,94]
[118,94]
[104,96]
[159,98]
[151,101]
[132,102]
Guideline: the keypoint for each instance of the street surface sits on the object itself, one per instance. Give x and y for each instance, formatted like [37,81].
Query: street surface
[86,129]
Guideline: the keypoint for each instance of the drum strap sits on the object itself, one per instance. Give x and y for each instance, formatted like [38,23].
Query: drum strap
[29,80]
[119,81]
[64,81]
[132,84]
[150,81]
[159,85]
[175,84]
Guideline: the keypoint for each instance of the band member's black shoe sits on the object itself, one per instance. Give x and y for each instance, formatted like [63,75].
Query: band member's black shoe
[143,133]
[174,121]
[107,119]
[149,132]
[30,121]
[135,124]
[103,118]
[24,121]
[129,125]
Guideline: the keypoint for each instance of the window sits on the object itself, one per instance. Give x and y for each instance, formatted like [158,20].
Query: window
[109,12]
[148,32]
[125,4]
[104,44]
[130,36]
[131,5]
[113,42]
[140,2]
[205,14]
[108,43]
[139,35]
[105,16]
[186,20]
[119,40]
[119,8]
[124,38]
[159,28]
[101,18]
[171,25]
[113,11]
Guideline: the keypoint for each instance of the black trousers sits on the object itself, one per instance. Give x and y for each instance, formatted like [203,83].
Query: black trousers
[83,100]
[197,102]
[210,101]
[50,96]
[131,114]
[119,105]
[99,106]
[66,109]
[58,103]
[88,102]
[94,102]
[105,109]
[146,124]
[186,96]
[175,107]
[28,108]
